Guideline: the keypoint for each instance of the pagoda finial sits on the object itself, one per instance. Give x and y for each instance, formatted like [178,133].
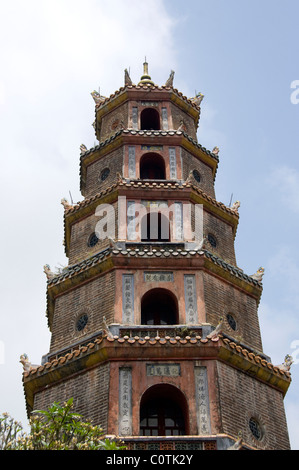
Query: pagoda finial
[146,79]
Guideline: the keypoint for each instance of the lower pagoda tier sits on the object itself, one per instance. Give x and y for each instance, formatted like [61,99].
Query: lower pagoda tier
[213,383]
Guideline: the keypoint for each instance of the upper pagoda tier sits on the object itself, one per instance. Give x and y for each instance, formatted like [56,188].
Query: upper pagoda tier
[146,106]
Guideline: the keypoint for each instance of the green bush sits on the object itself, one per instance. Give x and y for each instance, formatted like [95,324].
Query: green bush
[57,428]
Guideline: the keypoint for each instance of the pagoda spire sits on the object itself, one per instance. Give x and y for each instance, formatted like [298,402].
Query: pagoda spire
[145,79]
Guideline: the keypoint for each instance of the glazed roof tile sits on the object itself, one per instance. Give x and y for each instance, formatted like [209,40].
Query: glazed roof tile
[146,88]
[156,133]
[157,252]
[219,340]
[142,184]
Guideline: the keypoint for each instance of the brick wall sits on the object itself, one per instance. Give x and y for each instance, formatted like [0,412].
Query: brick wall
[223,234]
[95,298]
[178,115]
[221,299]
[113,161]
[242,397]
[90,391]
[114,121]
[82,230]
[190,163]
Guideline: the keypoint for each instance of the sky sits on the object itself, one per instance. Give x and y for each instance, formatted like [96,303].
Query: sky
[242,55]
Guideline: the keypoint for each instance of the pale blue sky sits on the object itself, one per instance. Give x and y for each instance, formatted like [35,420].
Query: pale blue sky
[242,55]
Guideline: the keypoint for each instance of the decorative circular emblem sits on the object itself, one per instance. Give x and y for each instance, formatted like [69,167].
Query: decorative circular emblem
[104,174]
[255,428]
[93,240]
[212,240]
[196,176]
[231,321]
[82,322]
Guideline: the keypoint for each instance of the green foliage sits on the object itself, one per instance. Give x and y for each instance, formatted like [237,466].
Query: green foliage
[57,428]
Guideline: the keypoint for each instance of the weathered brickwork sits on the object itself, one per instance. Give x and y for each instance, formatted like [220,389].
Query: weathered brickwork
[179,118]
[89,390]
[223,235]
[222,299]
[190,163]
[83,230]
[113,122]
[94,178]
[95,299]
[241,398]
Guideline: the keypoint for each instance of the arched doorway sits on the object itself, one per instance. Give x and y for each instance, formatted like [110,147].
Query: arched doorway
[163,412]
[159,307]
[152,167]
[150,119]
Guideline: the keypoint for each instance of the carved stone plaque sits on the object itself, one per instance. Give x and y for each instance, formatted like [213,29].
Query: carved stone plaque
[125,401]
[158,276]
[128,299]
[132,164]
[172,163]
[202,400]
[165,119]
[190,299]
[166,370]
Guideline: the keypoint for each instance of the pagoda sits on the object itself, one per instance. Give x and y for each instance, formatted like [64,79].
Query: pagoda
[154,327]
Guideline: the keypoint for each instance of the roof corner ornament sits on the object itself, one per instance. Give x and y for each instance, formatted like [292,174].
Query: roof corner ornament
[106,329]
[48,272]
[286,366]
[238,444]
[215,151]
[217,331]
[169,81]
[235,206]
[258,276]
[128,81]
[197,99]
[98,98]
[83,149]
[66,204]
[27,366]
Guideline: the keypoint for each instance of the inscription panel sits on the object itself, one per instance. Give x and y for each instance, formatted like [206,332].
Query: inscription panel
[172,163]
[128,299]
[202,400]
[166,370]
[132,162]
[125,401]
[158,276]
[190,299]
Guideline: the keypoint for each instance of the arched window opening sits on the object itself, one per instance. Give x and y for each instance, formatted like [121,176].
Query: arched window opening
[163,412]
[150,119]
[155,228]
[152,167]
[159,307]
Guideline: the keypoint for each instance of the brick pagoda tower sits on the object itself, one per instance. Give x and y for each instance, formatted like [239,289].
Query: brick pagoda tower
[154,327]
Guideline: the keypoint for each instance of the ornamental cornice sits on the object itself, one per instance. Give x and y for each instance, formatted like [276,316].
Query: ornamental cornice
[106,348]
